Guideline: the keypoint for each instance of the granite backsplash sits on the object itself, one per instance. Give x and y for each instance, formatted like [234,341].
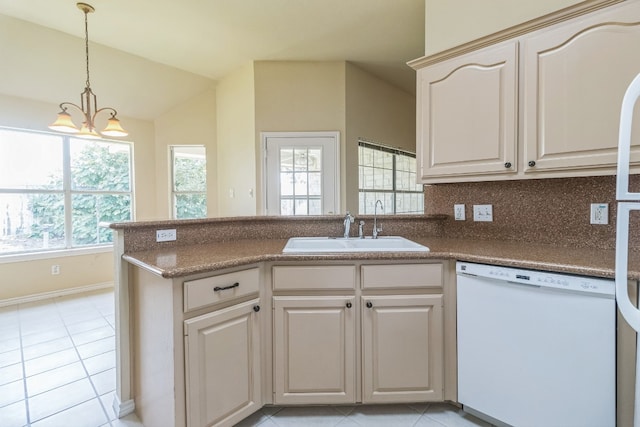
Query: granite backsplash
[553,211]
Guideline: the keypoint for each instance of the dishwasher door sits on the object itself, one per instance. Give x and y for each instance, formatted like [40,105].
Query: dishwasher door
[535,356]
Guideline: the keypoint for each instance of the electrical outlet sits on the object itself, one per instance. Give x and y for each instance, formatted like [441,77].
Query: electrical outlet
[55,269]
[166,235]
[600,213]
[458,212]
[483,213]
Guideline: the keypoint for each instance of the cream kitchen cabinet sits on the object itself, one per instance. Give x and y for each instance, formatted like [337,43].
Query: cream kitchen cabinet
[314,350]
[402,348]
[544,103]
[575,75]
[222,355]
[370,333]
[467,114]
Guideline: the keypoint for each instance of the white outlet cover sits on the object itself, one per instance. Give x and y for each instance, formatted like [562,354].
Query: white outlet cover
[600,213]
[483,213]
[166,235]
[458,212]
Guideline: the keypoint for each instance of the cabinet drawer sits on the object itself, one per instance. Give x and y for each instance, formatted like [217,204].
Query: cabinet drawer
[211,290]
[318,277]
[402,276]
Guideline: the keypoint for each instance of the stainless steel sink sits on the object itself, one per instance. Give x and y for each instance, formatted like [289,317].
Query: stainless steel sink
[330,244]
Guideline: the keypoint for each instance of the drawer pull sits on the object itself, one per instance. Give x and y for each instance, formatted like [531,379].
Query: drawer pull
[369,304]
[256,308]
[224,288]
[349,305]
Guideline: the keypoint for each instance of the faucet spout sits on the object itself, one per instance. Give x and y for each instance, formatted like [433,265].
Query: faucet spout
[348,219]
[376,229]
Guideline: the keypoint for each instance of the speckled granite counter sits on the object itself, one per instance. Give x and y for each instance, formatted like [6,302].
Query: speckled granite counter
[186,260]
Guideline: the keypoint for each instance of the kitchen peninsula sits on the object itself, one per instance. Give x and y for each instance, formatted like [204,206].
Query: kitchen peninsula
[227,278]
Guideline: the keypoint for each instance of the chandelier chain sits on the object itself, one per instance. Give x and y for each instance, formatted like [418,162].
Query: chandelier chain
[86,44]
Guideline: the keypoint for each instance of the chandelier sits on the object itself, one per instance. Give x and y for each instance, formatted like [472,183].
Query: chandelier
[88,103]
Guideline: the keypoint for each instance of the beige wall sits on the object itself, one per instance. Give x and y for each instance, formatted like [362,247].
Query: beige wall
[191,123]
[300,96]
[23,278]
[378,112]
[236,143]
[449,23]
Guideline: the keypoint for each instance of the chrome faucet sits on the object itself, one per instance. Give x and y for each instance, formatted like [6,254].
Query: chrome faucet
[348,219]
[376,230]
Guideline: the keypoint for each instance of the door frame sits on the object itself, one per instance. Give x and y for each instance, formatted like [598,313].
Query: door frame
[264,136]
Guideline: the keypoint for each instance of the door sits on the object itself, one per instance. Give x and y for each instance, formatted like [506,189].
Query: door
[314,350]
[402,348]
[223,365]
[301,173]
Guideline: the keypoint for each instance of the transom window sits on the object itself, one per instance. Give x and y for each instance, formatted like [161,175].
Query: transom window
[389,175]
[55,190]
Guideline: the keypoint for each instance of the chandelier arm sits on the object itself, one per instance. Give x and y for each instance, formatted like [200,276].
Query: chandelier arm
[113,112]
[64,105]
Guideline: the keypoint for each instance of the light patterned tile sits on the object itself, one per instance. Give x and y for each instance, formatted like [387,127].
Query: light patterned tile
[11,373]
[10,357]
[54,378]
[11,393]
[9,344]
[89,325]
[83,415]
[294,416]
[384,415]
[50,361]
[93,335]
[104,382]
[49,347]
[451,416]
[40,337]
[59,399]
[100,363]
[97,347]
[255,419]
[14,415]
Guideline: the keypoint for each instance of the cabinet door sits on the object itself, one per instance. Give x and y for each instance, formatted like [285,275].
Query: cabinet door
[402,348]
[575,76]
[223,365]
[314,349]
[467,114]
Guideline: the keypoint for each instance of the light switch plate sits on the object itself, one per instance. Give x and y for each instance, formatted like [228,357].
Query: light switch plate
[483,213]
[600,213]
[458,212]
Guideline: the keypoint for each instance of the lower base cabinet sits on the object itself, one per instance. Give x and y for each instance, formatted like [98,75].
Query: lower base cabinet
[402,352]
[314,350]
[222,352]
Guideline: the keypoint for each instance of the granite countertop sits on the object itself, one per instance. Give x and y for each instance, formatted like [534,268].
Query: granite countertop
[186,260]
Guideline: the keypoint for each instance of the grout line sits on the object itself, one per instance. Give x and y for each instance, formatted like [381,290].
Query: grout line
[24,372]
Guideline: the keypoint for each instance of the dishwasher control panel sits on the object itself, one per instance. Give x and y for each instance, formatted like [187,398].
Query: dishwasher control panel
[538,278]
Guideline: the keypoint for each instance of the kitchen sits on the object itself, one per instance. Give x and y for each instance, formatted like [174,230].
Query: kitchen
[515,199]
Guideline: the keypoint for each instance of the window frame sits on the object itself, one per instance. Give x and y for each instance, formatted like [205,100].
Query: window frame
[174,192]
[68,192]
[394,192]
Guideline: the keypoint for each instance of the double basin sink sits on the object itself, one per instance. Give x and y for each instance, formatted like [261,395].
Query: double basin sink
[298,245]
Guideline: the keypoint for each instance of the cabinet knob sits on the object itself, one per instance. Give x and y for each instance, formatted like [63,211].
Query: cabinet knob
[507,165]
[369,304]
[531,163]
[256,308]
[349,305]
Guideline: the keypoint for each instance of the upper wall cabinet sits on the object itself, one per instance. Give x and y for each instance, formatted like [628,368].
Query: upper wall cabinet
[544,103]
[575,76]
[467,114]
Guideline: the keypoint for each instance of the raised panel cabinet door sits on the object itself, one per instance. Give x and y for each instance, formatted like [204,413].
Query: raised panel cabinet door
[314,350]
[575,77]
[467,114]
[402,348]
[223,365]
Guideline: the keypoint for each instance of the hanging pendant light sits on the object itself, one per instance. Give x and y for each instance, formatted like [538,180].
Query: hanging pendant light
[88,102]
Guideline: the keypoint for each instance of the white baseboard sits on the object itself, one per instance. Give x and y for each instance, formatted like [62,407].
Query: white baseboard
[122,409]
[55,294]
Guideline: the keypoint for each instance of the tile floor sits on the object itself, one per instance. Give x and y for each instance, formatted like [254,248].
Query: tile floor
[57,369]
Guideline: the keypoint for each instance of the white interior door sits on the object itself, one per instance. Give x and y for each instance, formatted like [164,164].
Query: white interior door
[301,173]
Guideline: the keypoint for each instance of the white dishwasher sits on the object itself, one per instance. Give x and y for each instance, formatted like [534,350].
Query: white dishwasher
[536,349]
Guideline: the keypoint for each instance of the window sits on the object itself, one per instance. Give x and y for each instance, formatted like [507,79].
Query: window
[189,188]
[389,175]
[55,190]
